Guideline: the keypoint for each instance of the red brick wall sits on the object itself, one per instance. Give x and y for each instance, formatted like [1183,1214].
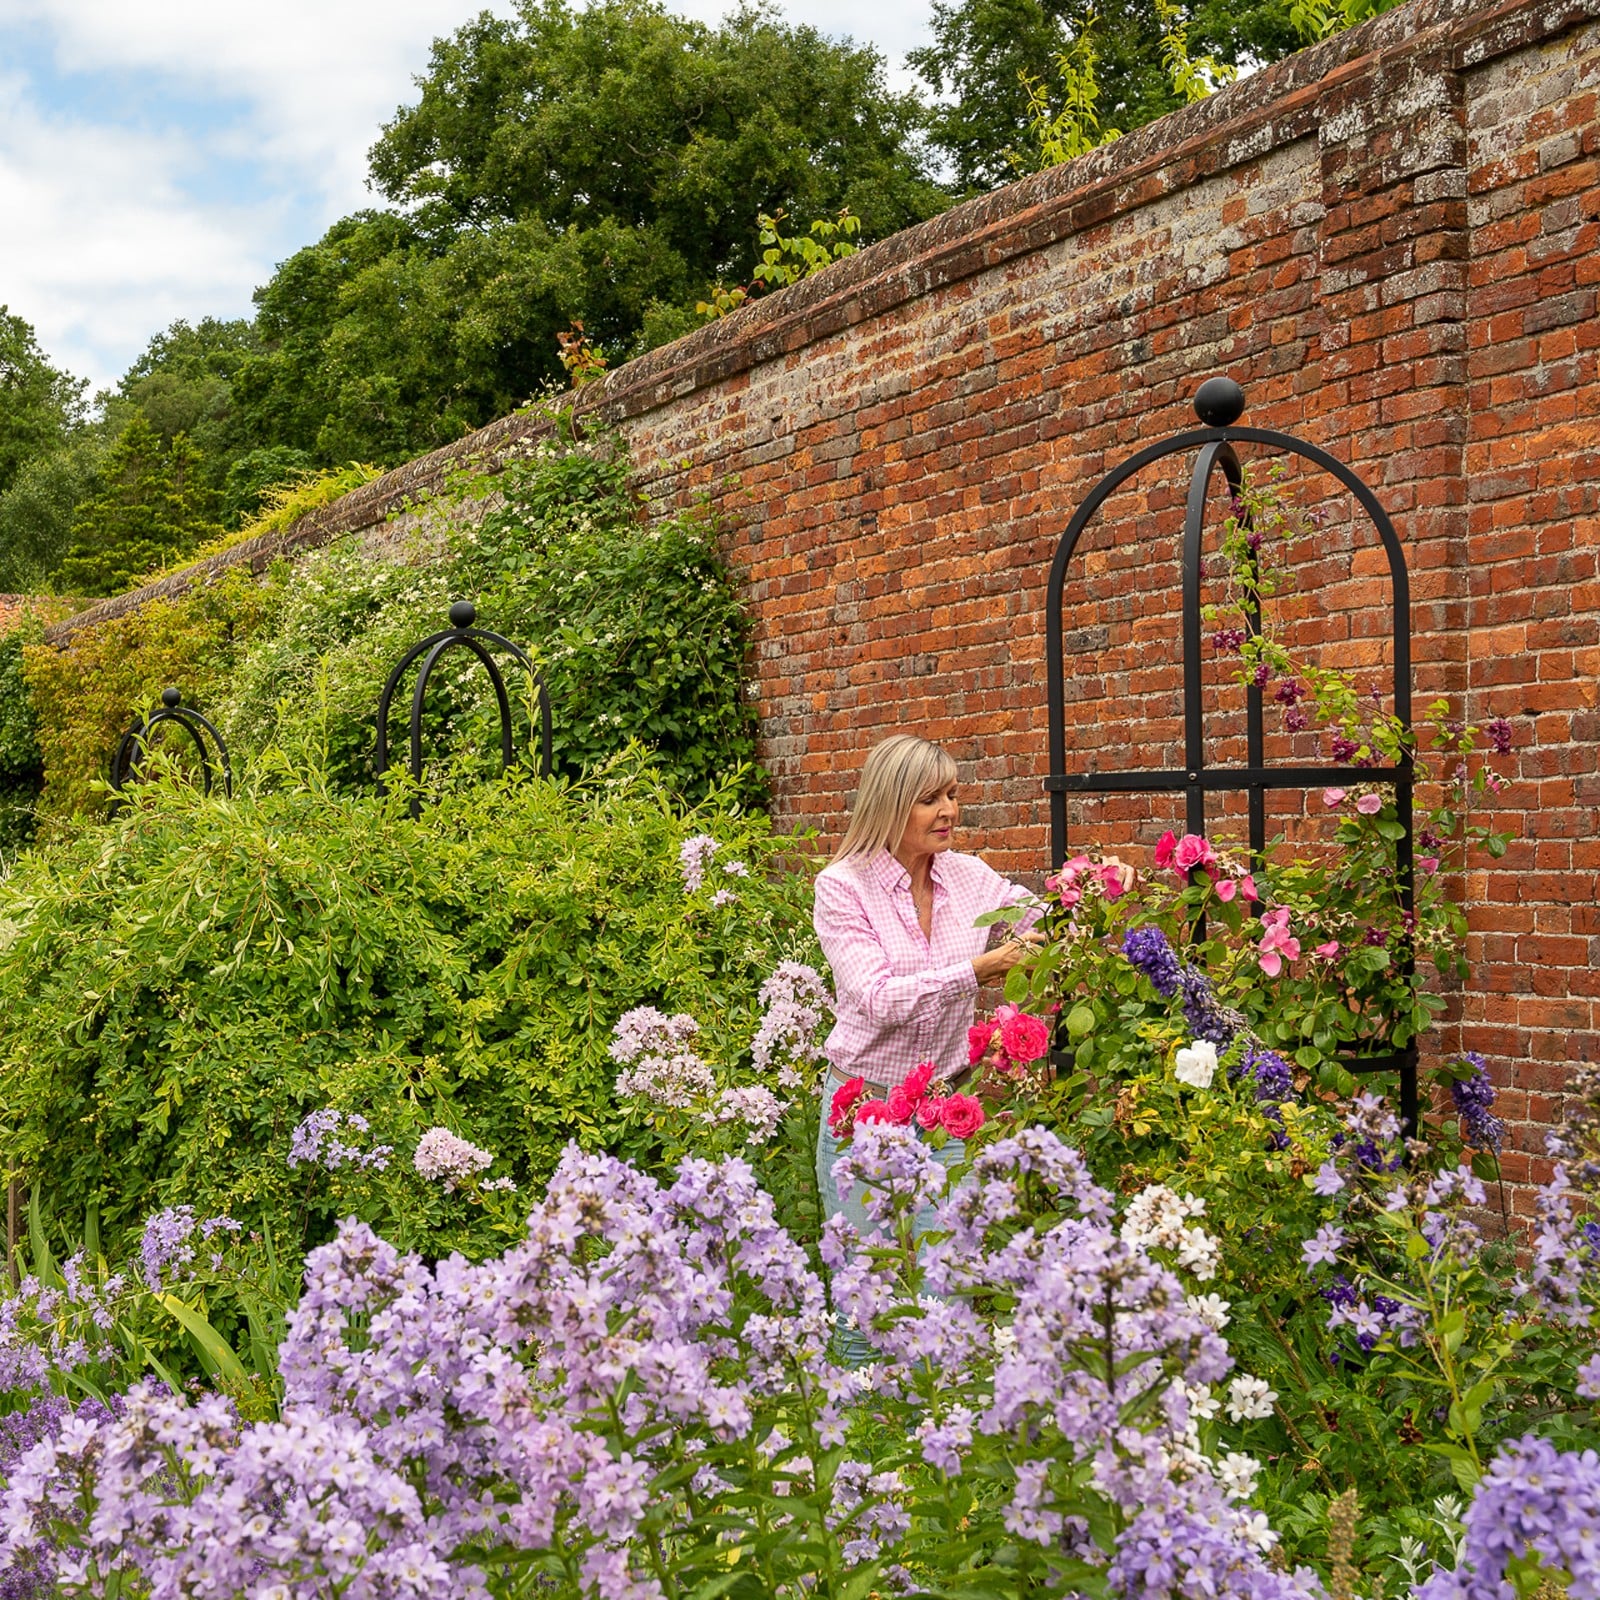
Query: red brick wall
[1391,241]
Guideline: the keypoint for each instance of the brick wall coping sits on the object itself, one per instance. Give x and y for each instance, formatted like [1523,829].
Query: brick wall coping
[1270,109]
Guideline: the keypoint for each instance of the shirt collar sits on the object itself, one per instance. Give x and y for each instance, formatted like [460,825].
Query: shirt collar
[894,876]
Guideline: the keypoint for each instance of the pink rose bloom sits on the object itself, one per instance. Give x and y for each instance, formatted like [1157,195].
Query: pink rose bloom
[1248,884]
[902,1104]
[918,1079]
[1116,877]
[1369,805]
[930,1112]
[1025,1037]
[978,1037]
[1276,944]
[1328,950]
[962,1116]
[1429,865]
[1332,798]
[873,1111]
[1165,846]
[1194,850]
[1226,890]
[844,1098]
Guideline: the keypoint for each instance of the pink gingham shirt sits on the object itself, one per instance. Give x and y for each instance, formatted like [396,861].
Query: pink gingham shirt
[900,997]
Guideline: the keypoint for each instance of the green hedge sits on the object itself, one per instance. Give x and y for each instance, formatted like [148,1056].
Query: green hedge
[636,625]
[182,986]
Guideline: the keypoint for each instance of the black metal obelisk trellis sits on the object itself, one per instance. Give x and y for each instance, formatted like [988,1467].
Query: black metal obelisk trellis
[1218,404]
[462,635]
[127,763]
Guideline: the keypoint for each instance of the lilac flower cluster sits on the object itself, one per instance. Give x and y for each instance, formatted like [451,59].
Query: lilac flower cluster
[795,1004]
[316,1143]
[1564,1274]
[561,1408]
[1207,1017]
[1371,1318]
[694,856]
[168,1245]
[1532,1500]
[1473,1097]
[755,1108]
[444,1155]
[660,1066]
[32,1576]
[1147,949]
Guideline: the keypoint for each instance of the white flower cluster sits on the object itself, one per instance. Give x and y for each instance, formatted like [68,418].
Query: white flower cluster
[1250,1399]
[1157,1219]
[795,1004]
[758,1108]
[659,1066]
[440,1154]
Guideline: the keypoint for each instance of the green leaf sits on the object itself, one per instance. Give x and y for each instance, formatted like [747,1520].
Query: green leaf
[1080,1022]
[216,1355]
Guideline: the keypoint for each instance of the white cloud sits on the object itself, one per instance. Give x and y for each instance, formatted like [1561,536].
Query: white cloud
[183,147]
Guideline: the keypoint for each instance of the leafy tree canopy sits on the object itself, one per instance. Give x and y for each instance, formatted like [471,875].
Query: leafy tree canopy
[980,49]
[39,404]
[604,164]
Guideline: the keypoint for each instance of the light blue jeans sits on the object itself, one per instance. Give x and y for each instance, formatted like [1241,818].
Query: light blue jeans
[853,1348]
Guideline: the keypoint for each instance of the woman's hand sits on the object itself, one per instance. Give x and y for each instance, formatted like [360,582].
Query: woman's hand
[994,964]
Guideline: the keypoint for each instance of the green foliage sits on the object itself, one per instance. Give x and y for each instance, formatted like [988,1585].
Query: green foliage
[39,405]
[254,478]
[153,506]
[1074,129]
[36,512]
[1321,19]
[636,627]
[401,330]
[985,55]
[184,986]
[86,695]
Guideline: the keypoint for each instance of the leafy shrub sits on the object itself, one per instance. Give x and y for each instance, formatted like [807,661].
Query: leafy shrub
[637,628]
[185,985]
[85,696]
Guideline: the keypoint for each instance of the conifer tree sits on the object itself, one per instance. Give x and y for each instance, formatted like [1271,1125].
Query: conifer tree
[154,508]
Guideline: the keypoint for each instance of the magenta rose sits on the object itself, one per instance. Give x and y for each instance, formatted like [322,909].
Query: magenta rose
[918,1079]
[961,1115]
[978,1037]
[1026,1038]
[902,1104]
[1194,850]
[844,1098]
[873,1111]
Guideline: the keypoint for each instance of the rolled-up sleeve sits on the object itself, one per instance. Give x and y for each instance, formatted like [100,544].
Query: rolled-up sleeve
[862,972]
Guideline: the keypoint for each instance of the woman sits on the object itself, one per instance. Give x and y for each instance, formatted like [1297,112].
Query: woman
[895,912]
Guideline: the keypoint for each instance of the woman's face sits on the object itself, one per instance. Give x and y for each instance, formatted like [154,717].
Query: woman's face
[933,823]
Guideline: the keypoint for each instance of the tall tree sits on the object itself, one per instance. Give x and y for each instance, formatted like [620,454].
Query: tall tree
[604,163]
[153,508]
[39,404]
[981,48]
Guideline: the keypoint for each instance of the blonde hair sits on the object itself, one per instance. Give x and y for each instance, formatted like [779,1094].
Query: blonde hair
[897,774]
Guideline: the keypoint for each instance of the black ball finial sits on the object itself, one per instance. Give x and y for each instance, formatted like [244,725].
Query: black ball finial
[170,699]
[463,614]
[1219,402]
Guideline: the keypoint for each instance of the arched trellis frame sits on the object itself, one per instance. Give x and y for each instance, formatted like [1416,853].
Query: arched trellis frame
[1219,404]
[127,763]
[461,634]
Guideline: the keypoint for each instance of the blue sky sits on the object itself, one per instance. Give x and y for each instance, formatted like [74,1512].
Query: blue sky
[159,157]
